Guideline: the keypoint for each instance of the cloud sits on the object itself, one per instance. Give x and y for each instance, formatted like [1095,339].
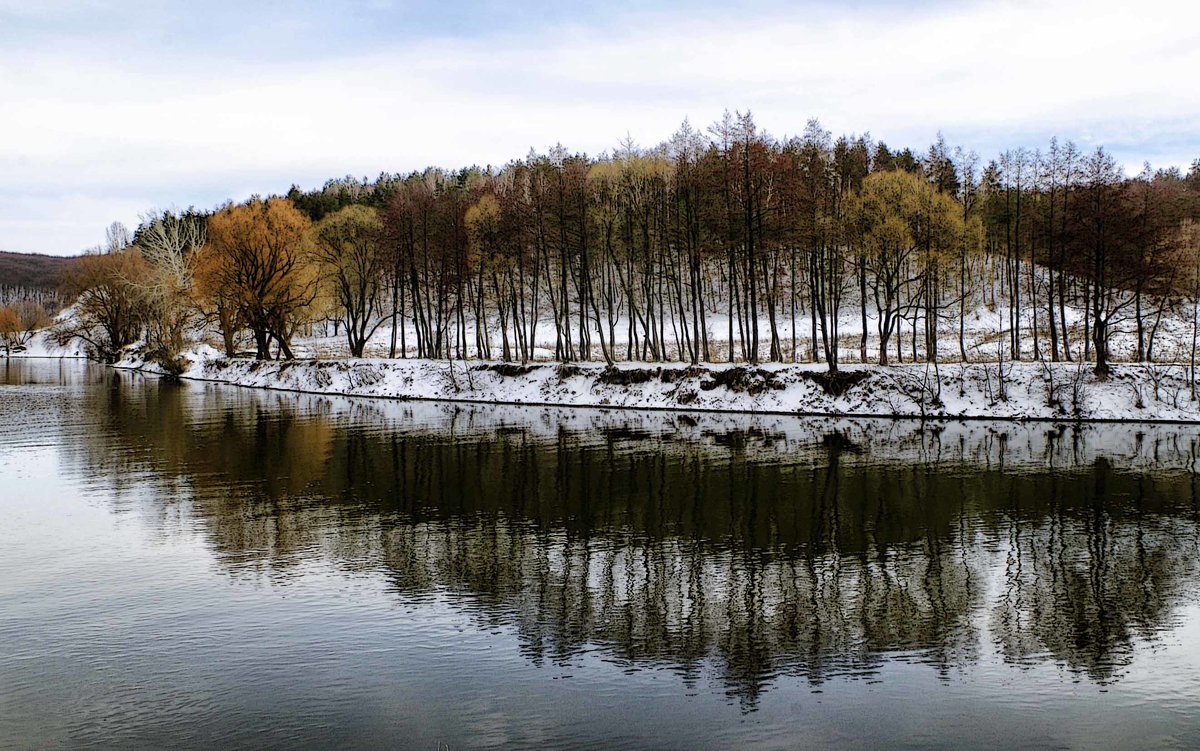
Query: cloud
[158,115]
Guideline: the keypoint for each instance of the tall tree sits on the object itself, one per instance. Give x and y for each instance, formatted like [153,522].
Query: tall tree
[110,310]
[170,243]
[263,260]
[351,262]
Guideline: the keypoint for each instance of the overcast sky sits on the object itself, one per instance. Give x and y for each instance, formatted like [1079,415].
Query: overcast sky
[112,107]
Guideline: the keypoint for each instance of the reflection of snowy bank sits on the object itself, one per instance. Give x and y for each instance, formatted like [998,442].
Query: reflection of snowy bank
[765,438]
[742,547]
[1021,390]
[727,547]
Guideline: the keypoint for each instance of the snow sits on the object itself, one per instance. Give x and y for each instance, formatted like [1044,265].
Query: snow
[985,329]
[1014,390]
[41,344]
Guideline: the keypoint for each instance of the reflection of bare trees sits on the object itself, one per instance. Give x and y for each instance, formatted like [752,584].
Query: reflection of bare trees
[690,550]
[1085,579]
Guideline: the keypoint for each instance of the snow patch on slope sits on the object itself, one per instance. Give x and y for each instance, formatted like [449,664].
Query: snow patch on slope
[1014,390]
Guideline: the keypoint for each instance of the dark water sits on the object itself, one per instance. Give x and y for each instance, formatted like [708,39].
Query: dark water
[195,566]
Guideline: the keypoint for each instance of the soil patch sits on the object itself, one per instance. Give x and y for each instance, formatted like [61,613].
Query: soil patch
[752,381]
[836,384]
[508,369]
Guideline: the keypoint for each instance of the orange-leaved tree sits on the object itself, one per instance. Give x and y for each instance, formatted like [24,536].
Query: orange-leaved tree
[19,322]
[259,262]
[10,327]
[110,310]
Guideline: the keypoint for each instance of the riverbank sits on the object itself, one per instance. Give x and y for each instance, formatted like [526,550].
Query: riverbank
[42,346]
[1013,391]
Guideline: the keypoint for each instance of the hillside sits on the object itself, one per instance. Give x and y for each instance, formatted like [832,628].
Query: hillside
[31,270]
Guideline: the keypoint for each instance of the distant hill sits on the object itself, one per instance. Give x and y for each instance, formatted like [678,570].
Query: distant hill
[30,270]
[30,276]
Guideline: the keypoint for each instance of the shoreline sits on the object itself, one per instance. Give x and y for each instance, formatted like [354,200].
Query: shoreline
[1141,393]
[23,356]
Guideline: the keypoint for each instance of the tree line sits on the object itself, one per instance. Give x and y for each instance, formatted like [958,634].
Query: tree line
[717,245]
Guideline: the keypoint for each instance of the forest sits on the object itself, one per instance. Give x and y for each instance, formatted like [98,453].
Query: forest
[720,244]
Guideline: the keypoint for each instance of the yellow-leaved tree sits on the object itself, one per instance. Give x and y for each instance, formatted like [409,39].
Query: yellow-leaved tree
[348,251]
[907,230]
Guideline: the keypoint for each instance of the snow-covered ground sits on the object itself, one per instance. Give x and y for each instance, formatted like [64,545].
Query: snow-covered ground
[986,331]
[989,385]
[1021,390]
[41,344]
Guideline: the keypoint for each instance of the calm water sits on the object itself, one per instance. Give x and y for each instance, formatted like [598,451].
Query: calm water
[196,566]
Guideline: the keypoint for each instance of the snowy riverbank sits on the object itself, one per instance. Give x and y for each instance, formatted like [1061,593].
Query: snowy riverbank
[1021,390]
[42,346]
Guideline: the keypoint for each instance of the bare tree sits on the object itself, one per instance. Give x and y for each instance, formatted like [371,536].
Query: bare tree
[169,244]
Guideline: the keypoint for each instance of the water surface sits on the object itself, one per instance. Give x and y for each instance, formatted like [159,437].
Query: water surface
[196,566]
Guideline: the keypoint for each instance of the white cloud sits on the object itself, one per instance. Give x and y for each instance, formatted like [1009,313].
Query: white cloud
[159,128]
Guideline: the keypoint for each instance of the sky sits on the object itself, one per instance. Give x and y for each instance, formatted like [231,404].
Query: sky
[110,109]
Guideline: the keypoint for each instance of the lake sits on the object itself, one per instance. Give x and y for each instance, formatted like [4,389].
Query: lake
[195,566]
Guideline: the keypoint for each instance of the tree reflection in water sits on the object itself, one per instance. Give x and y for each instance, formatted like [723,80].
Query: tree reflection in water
[748,547]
